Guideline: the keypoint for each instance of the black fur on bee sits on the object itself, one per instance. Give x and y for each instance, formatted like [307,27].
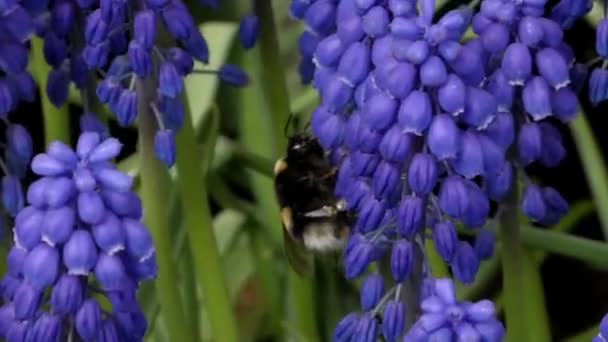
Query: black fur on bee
[313,219]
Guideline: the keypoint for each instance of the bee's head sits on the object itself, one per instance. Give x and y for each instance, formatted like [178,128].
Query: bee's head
[304,145]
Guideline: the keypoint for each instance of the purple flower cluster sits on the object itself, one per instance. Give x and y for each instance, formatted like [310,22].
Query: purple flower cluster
[429,130]
[443,318]
[119,40]
[79,237]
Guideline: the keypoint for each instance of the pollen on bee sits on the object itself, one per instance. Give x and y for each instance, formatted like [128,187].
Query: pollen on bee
[279,166]
[287,218]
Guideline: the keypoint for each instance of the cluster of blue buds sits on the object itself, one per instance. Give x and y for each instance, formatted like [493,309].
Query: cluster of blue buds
[120,41]
[80,237]
[16,85]
[429,130]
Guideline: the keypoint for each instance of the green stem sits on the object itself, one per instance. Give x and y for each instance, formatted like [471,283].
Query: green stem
[594,166]
[585,335]
[201,237]
[56,120]
[566,245]
[153,189]
[302,294]
[512,270]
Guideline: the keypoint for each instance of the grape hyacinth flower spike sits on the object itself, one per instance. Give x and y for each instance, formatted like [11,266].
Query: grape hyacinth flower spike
[79,236]
[423,122]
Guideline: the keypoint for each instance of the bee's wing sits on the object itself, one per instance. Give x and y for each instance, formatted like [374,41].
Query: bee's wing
[300,260]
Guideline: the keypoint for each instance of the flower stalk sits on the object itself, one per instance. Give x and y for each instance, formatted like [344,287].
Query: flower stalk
[153,177]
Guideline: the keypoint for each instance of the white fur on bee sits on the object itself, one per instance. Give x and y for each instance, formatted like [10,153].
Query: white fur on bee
[321,237]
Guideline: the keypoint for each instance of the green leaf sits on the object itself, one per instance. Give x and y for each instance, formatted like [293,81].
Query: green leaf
[201,88]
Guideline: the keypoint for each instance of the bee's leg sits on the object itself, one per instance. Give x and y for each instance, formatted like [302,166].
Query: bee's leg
[324,211]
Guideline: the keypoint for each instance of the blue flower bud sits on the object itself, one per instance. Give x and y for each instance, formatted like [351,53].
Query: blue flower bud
[12,195]
[329,51]
[406,28]
[553,151]
[145,28]
[393,321]
[182,60]
[433,72]
[553,68]
[357,257]
[495,37]
[367,329]
[28,229]
[502,130]
[141,59]
[88,320]
[108,91]
[108,149]
[397,79]
[396,146]
[379,111]
[498,185]
[401,8]
[249,30]
[55,49]
[15,259]
[57,87]
[350,30]
[445,239]
[18,21]
[41,266]
[598,86]
[530,31]
[478,208]
[47,327]
[517,64]
[402,260]
[197,47]
[170,82]
[335,94]
[382,50]
[233,75]
[553,33]
[410,217]
[178,21]
[8,288]
[564,103]
[24,85]
[60,191]
[26,301]
[96,29]
[80,253]
[307,43]
[444,137]
[164,147]
[468,62]
[451,95]
[91,209]
[45,165]
[465,263]
[376,22]
[67,295]
[469,162]
[601,38]
[454,196]
[126,204]
[58,225]
[557,206]
[484,244]
[126,108]
[503,92]
[533,203]
[423,173]
[110,272]
[320,17]
[371,212]
[372,291]
[480,108]
[416,112]
[529,143]
[386,179]
[96,56]
[354,63]
[113,179]
[62,17]
[345,329]
[7,316]
[138,239]
[62,153]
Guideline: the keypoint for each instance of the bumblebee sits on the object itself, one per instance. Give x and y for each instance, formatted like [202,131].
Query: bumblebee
[314,221]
